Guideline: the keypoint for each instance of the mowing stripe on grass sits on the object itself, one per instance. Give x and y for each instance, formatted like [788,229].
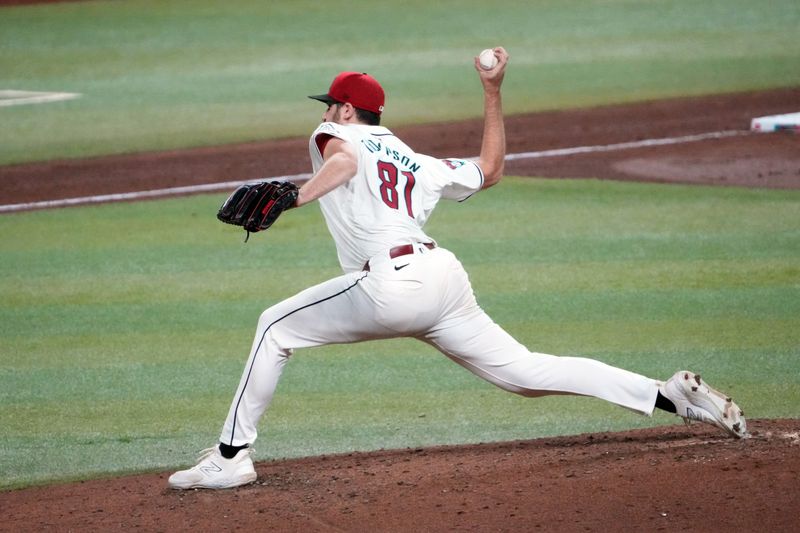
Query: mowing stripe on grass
[214,187]
[10,97]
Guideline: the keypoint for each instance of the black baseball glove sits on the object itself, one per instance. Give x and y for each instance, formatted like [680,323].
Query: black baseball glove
[256,206]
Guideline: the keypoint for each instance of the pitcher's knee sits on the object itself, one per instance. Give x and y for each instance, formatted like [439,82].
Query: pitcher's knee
[272,335]
[268,316]
[515,388]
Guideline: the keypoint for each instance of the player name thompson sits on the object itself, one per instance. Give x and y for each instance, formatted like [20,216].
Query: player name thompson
[376,146]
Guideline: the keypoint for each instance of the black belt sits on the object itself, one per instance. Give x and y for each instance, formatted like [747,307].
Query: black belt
[403,249]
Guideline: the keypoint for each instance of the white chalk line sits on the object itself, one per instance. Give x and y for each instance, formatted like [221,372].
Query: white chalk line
[156,193]
[225,186]
[11,97]
[626,145]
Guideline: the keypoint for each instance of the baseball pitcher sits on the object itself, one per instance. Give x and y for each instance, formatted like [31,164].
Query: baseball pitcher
[376,194]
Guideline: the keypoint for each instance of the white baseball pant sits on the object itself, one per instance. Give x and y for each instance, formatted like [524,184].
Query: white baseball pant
[425,295]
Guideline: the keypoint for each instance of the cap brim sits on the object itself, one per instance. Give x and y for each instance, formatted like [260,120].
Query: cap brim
[325,99]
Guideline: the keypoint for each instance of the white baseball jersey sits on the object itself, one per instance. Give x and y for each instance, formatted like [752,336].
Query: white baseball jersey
[392,194]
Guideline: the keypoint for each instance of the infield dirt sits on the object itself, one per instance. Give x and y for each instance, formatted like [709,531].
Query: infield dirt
[669,478]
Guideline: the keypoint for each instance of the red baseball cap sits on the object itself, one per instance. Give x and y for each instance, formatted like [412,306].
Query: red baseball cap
[356,88]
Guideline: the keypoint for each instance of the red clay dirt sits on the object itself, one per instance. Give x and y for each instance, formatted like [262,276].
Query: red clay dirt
[669,478]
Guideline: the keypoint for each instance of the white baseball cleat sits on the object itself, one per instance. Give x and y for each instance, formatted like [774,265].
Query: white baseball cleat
[213,471]
[695,400]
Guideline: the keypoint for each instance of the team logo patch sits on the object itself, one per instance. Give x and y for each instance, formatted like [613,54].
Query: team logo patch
[453,163]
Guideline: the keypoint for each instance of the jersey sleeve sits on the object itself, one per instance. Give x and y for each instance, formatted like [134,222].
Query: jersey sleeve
[463,179]
[320,137]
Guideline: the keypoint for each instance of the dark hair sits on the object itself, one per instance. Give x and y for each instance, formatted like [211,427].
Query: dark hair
[368,117]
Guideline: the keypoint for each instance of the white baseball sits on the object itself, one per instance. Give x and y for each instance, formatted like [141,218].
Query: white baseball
[487,59]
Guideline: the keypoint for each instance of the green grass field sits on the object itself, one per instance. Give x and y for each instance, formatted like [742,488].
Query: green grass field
[124,327]
[156,75]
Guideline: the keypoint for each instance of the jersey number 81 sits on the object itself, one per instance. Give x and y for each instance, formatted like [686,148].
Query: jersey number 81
[388,175]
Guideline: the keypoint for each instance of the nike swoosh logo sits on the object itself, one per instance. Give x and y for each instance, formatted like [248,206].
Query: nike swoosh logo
[401,266]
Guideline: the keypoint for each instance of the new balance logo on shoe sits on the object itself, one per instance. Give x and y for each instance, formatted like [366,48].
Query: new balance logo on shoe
[211,468]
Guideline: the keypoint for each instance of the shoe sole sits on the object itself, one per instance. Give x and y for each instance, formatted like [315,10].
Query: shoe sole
[250,478]
[700,392]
